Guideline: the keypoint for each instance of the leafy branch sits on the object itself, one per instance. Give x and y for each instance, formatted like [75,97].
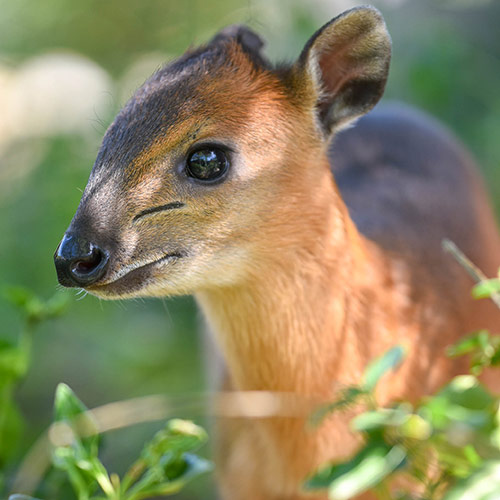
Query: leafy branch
[448,446]
[164,467]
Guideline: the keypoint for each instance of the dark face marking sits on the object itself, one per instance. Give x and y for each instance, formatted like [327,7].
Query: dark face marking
[161,208]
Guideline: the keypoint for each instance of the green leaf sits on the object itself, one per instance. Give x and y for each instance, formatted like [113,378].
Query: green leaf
[165,464]
[464,412]
[67,405]
[484,484]
[471,343]
[25,300]
[415,427]
[486,288]
[18,296]
[73,417]
[483,347]
[348,397]
[193,467]
[472,456]
[57,304]
[178,437]
[77,452]
[33,307]
[11,426]
[467,391]
[369,467]
[380,366]
[379,419]
[14,361]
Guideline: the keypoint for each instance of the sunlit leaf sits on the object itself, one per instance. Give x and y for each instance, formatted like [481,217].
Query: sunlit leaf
[415,427]
[483,347]
[468,344]
[486,288]
[370,466]
[380,366]
[467,391]
[348,397]
[484,484]
[194,466]
[70,410]
[178,436]
[378,419]
[472,455]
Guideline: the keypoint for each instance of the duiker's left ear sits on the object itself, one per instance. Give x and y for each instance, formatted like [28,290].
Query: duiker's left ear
[347,61]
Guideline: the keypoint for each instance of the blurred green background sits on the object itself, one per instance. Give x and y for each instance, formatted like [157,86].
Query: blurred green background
[66,68]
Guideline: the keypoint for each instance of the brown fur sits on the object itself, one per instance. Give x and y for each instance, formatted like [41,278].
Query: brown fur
[300,297]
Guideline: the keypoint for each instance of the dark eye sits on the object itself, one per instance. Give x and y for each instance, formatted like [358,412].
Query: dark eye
[207,164]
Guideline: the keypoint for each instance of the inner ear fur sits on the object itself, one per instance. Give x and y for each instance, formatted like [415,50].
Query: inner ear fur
[347,62]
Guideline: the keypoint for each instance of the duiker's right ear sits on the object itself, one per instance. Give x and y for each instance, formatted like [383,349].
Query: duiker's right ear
[347,62]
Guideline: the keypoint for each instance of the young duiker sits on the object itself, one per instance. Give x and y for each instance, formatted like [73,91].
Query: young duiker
[216,180]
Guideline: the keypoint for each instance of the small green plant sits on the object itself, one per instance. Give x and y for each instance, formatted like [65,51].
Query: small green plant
[15,356]
[165,465]
[448,447]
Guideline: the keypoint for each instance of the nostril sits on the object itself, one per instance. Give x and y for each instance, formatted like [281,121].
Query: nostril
[86,266]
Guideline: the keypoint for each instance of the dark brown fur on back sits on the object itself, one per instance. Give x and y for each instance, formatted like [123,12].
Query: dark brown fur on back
[408,184]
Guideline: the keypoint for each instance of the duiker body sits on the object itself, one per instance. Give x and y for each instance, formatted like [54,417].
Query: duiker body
[216,180]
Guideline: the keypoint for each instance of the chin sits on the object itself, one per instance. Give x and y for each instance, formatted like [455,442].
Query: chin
[134,285]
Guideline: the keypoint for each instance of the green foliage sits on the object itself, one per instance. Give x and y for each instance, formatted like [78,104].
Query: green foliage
[488,289]
[482,348]
[377,369]
[444,61]
[15,360]
[448,445]
[370,465]
[451,435]
[164,467]
[34,309]
[352,395]
[166,463]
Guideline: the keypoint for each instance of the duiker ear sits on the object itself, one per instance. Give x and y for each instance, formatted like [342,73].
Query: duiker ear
[347,61]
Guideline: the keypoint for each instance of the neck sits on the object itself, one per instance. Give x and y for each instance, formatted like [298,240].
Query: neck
[284,328]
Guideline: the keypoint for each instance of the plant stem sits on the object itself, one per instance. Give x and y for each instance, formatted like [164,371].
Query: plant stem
[474,272]
[133,474]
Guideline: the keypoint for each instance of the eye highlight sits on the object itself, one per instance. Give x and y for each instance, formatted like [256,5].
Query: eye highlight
[207,164]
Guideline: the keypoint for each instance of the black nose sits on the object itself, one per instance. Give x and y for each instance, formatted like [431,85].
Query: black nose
[79,262]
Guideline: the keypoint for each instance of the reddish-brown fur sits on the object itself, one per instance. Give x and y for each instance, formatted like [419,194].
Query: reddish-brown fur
[299,297]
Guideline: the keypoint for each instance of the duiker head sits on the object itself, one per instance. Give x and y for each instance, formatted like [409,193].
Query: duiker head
[215,159]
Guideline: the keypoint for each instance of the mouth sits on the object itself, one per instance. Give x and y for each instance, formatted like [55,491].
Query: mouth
[132,278]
